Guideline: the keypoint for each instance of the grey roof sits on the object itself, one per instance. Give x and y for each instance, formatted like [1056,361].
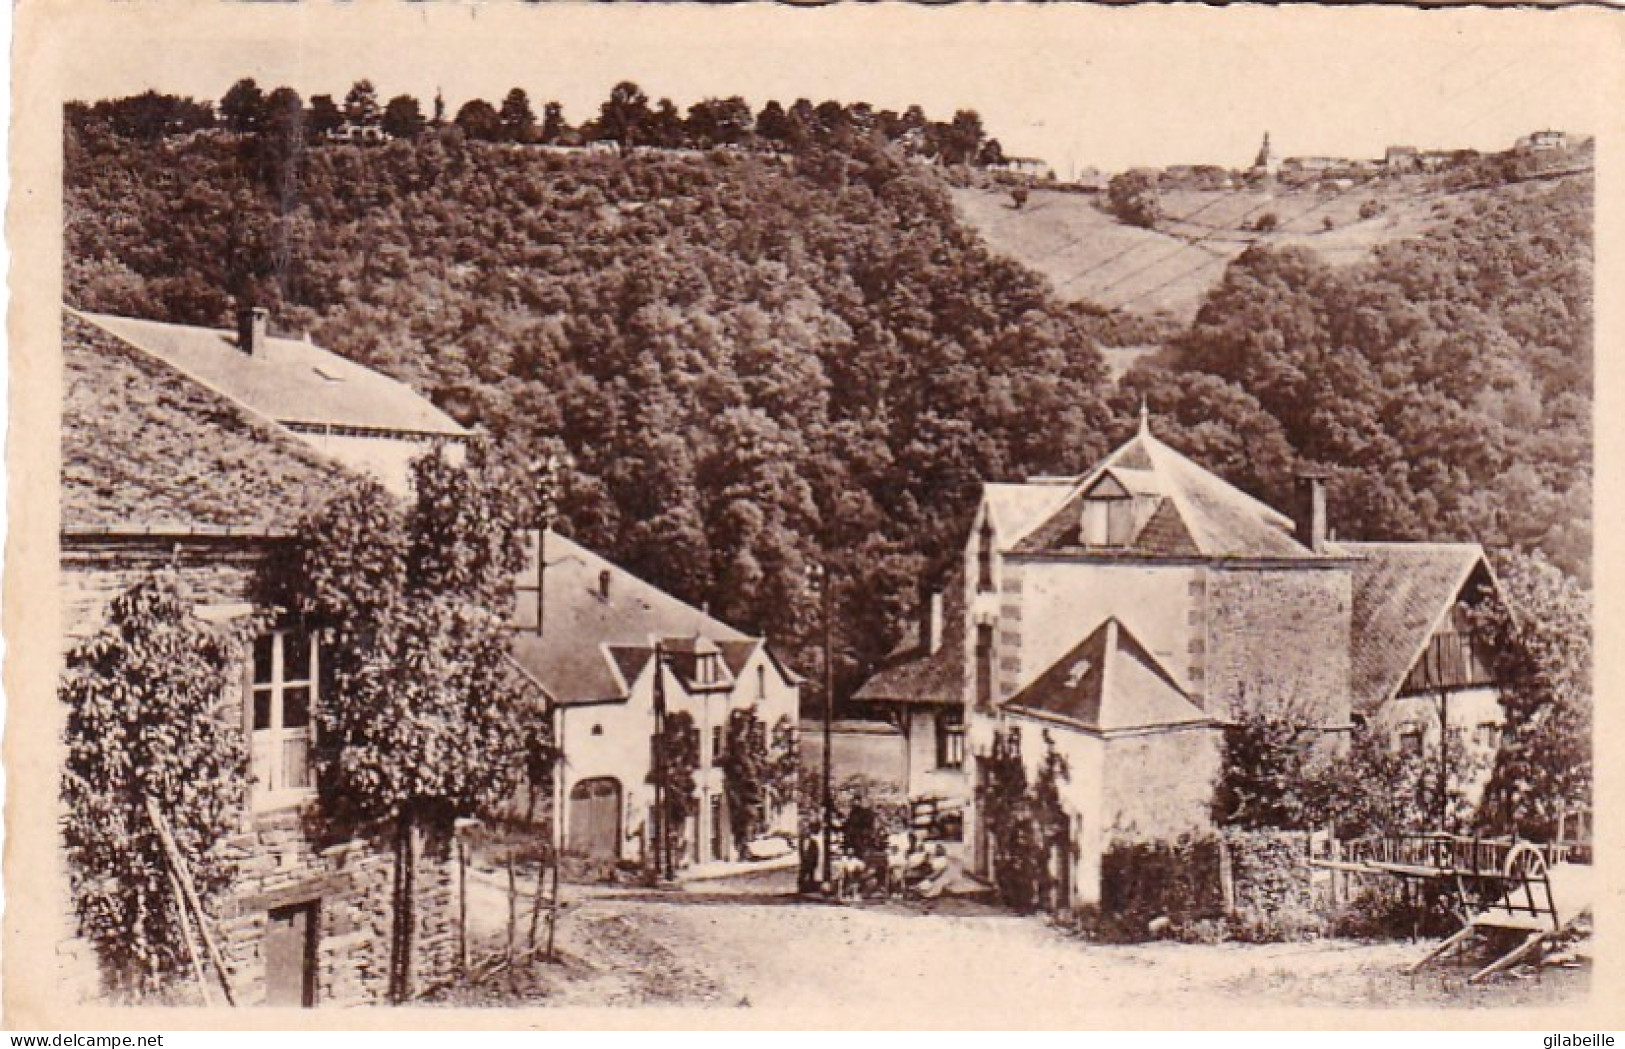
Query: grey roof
[592,646]
[1018,508]
[1109,682]
[1201,514]
[144,448]
[291,381]
[1402,593]
[910,674]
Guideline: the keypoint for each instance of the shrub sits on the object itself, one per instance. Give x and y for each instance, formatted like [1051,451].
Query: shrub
[1142,881]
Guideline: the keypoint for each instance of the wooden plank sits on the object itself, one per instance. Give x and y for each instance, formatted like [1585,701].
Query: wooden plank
[177,864]
[1461,935]
[1511,958]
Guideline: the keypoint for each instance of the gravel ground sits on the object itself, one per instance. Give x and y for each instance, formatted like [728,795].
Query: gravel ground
[749,942]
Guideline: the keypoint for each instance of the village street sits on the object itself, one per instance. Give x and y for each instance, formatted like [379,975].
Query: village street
[748,942]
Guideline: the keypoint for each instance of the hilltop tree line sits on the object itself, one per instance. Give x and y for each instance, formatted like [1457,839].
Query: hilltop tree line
[628,118]
[756,366]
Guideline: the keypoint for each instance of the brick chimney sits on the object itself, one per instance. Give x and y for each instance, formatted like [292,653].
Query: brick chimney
[253,324]
[1310,515]
[930,619]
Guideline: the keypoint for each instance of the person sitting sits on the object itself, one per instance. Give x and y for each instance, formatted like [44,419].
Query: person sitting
[940,873]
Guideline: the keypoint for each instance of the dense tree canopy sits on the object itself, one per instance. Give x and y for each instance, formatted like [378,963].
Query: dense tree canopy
[758,361]
[751,366]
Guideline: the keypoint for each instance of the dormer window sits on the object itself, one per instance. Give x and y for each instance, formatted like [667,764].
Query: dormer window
[1108,514]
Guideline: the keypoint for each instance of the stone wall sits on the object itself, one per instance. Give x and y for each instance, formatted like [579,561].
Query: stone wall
[1158,786]
[286,856]
[1279,636]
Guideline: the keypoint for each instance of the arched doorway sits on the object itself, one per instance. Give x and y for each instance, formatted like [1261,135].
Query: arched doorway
[595,818]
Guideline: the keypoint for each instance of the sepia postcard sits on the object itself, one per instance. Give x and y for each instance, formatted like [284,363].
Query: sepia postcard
[761,516]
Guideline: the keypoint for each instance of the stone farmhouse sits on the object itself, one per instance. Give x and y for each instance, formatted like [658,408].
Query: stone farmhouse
[172,462]
[1126,615]
[594,638]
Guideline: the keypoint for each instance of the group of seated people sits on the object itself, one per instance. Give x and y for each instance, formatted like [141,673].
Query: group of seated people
[909,867]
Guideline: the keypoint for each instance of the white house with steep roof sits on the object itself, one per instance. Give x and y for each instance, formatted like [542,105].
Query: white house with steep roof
[595,638]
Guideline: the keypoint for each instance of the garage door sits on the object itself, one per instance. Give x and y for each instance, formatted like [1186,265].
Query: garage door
[595,818]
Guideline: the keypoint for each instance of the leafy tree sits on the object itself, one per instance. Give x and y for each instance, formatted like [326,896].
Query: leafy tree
[144,724]
[1132,196]
[783,764]
[675,759]
[361,104]
[403,117]
[325,116]
[242,106]
[746,768]
[1002,802]
[624,116]
[518,120]
[1541,633]
[146,116]
[479,120]
[422,721]
[720,122]
[773,124]
[553,123]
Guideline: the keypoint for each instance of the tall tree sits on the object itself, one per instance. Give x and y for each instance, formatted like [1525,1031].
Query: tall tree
[1541,633]
[403,117]
[361,104]
[479,120]
[325,116]
[553,123]
[242,106]
[517,118]
[423,721]
[624,115]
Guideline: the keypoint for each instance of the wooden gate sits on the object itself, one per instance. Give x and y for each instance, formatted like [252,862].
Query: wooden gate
[595,818]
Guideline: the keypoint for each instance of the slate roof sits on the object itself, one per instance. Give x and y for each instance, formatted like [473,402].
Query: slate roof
[1200,515]
[289,380]
[909,675]
[144,447]
[1402,592]
[1017,508]
[592,647]
[1108,683]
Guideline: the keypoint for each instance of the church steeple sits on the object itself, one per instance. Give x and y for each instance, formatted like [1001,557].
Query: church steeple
[1265,161]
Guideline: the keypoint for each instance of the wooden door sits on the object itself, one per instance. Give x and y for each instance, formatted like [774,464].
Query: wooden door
[595,818]
[290,956]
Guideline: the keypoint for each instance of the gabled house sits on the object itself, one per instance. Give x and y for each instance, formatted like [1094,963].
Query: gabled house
[164,474]
[594,638]
[368,422]
[1128,614]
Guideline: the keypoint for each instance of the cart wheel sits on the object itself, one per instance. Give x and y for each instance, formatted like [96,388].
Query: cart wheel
[1525,863]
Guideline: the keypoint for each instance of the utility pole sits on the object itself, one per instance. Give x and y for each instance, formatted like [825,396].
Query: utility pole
[662,851]
[819,576]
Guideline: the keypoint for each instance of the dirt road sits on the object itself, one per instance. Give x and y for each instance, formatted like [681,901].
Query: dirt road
[749,942]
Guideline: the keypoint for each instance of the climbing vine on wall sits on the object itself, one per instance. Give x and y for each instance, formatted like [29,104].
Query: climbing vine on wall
[143,698]
[1029,827]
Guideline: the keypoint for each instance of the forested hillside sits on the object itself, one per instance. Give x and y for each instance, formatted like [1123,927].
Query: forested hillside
[757,360]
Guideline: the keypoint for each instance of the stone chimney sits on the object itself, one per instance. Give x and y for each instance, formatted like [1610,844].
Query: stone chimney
[253,324]
[1310,515]
[930,619]
[603,585]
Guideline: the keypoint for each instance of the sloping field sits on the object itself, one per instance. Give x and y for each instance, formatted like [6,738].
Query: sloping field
[1091,257]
